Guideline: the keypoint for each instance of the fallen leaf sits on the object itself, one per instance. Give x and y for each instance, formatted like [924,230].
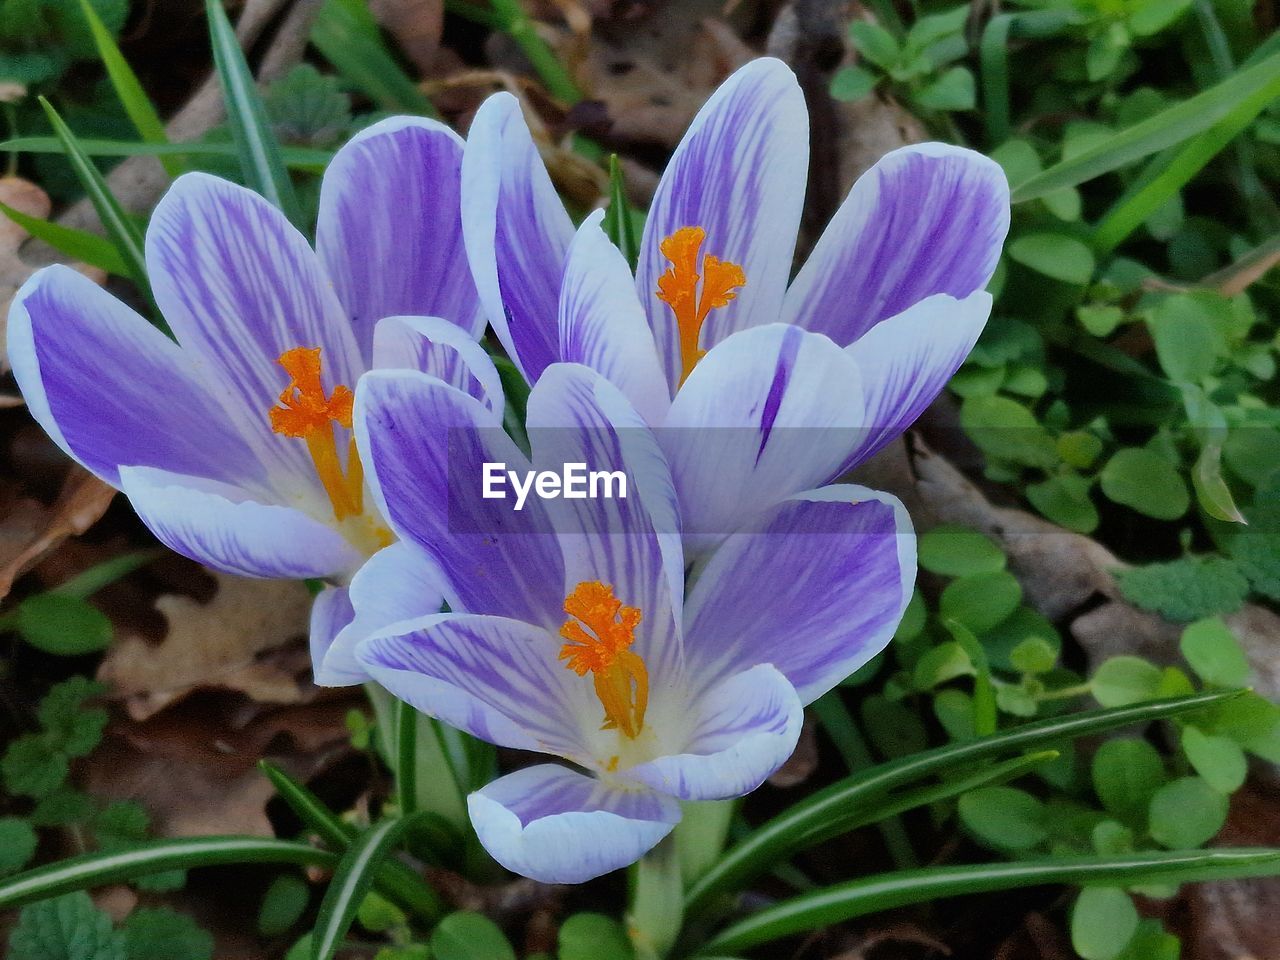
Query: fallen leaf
[25,196]
[29,529]
[416,26]
[236,641]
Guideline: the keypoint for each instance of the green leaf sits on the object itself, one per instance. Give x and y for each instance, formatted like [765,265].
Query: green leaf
[1152,16]
[1034,655]
[1054,255]
[32,767]
[1064,499]
[64,626]
[261,165]
[1186,589]
[1186,813]
[981,600]
[1004,818]
[1144,481]
[119,228]
[283,904]
[307,107]
[299,158]
[157,933]
[874,42]
[1006,430]
[1219,760]
[79,245]
[852,83]
[941,664]
[827,812]
[1123,680]
[955,89]
[70,727]
[346,34]
[1167,128]
[18,843]
[1187,343]
[954,551]
[1126,774]
[872,894]
[68,928]
[469,936]
[1212,492]
[617,219]
[893,728]
[1214,654]
[351,881]
[593,936]
[1103,921]
[1151,942]
[1100,320]
[128,89]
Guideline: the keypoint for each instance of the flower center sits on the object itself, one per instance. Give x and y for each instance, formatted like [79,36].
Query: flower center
[678,288]
[305,412]
[621,680]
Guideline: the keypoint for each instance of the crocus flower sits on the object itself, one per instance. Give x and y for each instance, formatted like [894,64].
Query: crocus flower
[762,387]
[571,633]
[234,443]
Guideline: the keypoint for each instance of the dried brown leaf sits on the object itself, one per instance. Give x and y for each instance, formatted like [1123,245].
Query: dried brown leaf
[416,26]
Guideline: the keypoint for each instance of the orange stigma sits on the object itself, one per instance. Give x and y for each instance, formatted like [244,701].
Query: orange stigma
[678,288]
[621,680]
[305,412]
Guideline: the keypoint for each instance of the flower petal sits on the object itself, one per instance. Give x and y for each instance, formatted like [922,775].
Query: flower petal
[603,325]
[741,731]
[739,173]
[445,351]
[630,542]
[517,233]
[816,589]
[926,219]
[767,413]
[495,678]
[331,611]
[397,583]
[390,230]
[423,445]
[240,286]
[216,525]
[551,824]
[906,361]
[111,389]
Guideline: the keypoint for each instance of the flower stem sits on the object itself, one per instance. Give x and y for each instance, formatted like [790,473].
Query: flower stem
[700,836]
[657,901]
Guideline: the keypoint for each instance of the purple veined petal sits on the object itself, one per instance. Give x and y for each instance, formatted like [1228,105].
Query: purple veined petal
[390,231]
[240,286]
[517,233]
[492,677]
[739,173]
[741,730]
[436,346]
[906,361]
[424,445]
[553,825]
[768,413]
[111,389]
[398,583]
[926,219]
[817,589]
[331,611]
[603,325]
[631,543]
[215,524]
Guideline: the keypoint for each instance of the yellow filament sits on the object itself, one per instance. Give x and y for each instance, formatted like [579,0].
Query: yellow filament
[620,677]
[678,288]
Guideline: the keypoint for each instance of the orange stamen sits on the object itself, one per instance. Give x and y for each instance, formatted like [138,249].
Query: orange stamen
[306,413]
[678,288]
[621,679]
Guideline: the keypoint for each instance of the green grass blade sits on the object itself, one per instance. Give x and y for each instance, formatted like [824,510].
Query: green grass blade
[618,222]
[403,886]
[517,24]
[809,821]
[1166,129]
[157,856]
[260,161]
[857,898]
[351,881]
[122,231]
[306,159]
[348,37]
[137,105]
[77,244]
[406,758]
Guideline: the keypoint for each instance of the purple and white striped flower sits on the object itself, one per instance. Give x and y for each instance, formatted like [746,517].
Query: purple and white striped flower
[571,631]
[762,387]
[234,443]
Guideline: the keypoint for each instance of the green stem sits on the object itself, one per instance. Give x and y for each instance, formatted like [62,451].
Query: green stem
[406,758]
[515,22]
[657,901]
[700,836]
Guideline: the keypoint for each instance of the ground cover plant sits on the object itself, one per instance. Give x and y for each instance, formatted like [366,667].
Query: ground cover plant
[1058,739]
